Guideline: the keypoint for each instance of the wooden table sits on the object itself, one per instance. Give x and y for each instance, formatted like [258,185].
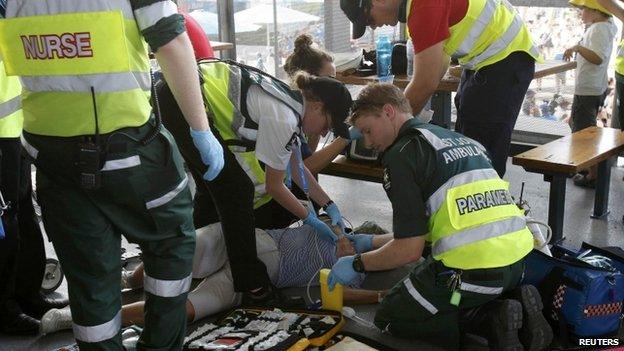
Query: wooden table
[346,168]
[569,155]
[221,45]
[441,99]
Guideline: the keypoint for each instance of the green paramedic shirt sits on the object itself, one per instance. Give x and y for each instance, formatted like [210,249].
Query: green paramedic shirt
[409,164]
[163,30]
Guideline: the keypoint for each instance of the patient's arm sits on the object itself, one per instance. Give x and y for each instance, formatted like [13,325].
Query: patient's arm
[323,157]
[362,297]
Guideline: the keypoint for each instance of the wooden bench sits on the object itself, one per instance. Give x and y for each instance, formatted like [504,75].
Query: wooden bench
[361,170]
[568,155]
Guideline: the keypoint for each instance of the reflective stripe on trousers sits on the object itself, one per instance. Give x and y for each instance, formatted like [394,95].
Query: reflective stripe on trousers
[99,332]
[166,288]
[418,297]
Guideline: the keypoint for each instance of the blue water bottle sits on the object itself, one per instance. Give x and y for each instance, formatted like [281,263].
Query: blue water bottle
[384,58]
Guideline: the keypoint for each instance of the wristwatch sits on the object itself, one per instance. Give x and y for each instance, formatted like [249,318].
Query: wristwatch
[358,265]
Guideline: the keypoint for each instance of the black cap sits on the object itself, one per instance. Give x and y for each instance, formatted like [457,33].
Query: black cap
[337,101]
[356,11]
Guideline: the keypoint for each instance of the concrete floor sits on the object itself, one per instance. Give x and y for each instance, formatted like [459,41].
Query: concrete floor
[362,201]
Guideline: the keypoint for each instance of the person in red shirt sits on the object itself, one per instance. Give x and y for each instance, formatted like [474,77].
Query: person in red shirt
[199,39]
[496,73]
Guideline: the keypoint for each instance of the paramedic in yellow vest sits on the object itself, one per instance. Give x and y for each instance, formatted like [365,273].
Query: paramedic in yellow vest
[491,43]
[104,166]
[444,191]
[616,7]
[22,252]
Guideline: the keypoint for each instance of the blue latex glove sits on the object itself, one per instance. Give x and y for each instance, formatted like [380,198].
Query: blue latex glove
[335,215]
[363,242]
[354,133]
[342,272]
[321,228]
[211,152]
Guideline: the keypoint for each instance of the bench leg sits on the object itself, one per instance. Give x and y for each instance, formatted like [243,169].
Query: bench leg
[556,205]
[601,199]
[441,106]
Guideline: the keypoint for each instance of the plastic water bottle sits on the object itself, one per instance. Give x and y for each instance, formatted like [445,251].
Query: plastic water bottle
[409,52]
[384,58]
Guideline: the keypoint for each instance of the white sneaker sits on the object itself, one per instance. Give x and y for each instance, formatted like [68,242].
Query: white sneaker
[55,320]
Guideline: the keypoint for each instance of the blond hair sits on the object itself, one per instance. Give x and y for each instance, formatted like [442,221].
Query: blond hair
[374,96]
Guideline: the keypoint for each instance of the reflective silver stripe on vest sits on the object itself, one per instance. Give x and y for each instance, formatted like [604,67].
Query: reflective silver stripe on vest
[148,16]
[11,106]
[418,297]
[480,289]
[477,29]
[108,82]
[168,196]
[234,94]
[501,43]
[99,332]
[433,139]
[166,288]
[32,152]
[439,196]
[24,8]
[482,232]
[123,163]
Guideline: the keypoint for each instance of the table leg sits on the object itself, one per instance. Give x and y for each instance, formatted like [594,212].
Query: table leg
[601,199]
[556,204]
[441,105]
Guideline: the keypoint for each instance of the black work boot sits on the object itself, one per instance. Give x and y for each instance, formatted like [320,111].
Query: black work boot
[498,321]
[14,322]
[37,305]
[504,319]
[535,333]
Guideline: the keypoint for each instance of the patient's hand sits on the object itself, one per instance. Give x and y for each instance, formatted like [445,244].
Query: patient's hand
[344,247]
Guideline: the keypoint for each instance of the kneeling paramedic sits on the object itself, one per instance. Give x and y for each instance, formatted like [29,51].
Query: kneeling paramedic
[104,168]
[444,191]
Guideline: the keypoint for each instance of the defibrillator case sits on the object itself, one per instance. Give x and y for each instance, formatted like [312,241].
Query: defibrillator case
[295,342]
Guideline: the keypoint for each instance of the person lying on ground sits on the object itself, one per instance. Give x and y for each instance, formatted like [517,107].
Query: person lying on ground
[293,257]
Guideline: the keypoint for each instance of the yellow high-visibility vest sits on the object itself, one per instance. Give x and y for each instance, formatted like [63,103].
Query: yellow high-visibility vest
[11,117]
[74,65]
[488,33]
[224,87]
[619,59]
[473,222]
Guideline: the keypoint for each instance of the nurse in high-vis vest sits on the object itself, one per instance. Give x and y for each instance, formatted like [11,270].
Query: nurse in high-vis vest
[444,191]
[260,121]
[616,7]
[488,39]
[104,168]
